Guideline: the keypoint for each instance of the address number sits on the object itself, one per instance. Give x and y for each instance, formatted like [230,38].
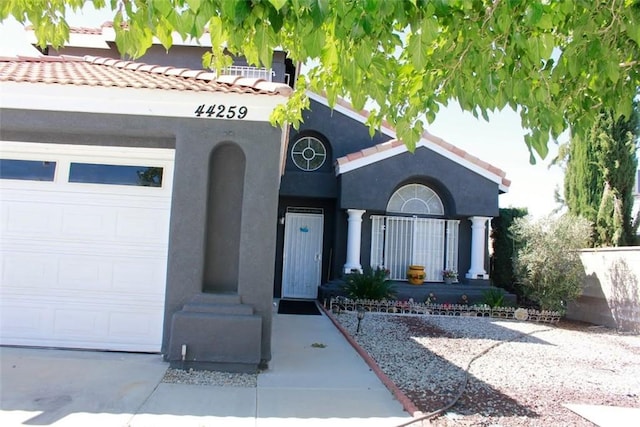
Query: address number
[221,111]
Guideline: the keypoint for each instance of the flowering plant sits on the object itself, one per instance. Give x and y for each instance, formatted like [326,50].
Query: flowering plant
[449,274]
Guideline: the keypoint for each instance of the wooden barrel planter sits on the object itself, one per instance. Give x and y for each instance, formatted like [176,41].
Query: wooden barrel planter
[416,274]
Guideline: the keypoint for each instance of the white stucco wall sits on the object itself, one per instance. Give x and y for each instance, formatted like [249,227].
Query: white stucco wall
[611,292]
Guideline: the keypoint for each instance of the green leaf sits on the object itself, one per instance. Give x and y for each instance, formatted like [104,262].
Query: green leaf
[228,9]
[194,5]
[363,56]
[164,32]
[276,20]
[163,6]
[329,55]
[416,51]
[319,9]
[264,44]
[633,30]
[314,43]
[278,4]
[613,72]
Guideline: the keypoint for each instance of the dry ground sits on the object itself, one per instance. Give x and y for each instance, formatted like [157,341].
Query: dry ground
[522,374]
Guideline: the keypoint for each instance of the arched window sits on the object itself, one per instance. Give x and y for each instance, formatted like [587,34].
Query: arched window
[415,199]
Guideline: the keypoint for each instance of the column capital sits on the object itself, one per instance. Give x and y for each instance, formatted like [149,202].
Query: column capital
[355,213]
[479,219]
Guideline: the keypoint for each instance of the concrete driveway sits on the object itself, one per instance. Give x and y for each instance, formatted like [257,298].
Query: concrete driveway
[60,387]
[305,385]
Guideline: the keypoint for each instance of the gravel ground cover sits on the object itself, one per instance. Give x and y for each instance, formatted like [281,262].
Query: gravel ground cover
[521,373]
[214,378]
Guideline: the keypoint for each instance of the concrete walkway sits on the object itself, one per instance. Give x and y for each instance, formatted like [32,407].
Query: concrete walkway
[304,385]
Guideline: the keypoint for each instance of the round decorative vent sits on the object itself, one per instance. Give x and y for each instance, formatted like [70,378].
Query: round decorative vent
[308,153]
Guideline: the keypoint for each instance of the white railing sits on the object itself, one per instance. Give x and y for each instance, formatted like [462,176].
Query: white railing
[397,242]
[249,72]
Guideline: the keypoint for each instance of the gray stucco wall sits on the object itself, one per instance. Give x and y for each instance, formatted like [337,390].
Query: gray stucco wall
[194,140]
[340,134]
[257,220]
[463,192]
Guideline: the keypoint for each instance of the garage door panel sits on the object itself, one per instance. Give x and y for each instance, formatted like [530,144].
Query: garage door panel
[84,323]
[84,265]
[26,270]
[30,219]
[61,219]
[88,222]
[141,278]
[52,270]
[89,274]
[142,225]
[21,320]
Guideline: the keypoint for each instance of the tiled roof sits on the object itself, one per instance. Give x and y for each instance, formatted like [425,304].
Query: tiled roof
[458,152]
[81,30]
[379,148]
[86,30]
[106,72]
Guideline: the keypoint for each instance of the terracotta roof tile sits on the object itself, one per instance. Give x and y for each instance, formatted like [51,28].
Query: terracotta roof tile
[107,72]
[80,30]
[369,151]
[85,30]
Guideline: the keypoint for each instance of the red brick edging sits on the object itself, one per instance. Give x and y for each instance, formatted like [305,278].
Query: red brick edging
[407,404]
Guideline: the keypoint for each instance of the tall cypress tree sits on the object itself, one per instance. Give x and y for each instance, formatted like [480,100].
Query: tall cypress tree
[599,179]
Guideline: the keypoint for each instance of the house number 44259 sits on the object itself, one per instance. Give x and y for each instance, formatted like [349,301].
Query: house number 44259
[220,111]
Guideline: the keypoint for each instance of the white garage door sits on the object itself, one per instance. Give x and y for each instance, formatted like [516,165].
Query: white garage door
[83,245]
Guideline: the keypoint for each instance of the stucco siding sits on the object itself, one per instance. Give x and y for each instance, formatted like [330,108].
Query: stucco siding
[464,192]
[194,139]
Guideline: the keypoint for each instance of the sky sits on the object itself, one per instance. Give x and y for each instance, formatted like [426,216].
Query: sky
[499,142]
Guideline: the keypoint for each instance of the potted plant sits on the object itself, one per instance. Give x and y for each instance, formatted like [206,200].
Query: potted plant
[449,276]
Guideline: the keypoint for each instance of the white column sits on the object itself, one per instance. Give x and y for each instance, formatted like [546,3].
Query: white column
[478,247]
[354,236]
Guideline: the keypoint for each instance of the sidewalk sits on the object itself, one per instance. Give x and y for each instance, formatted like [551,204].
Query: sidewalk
[304,385]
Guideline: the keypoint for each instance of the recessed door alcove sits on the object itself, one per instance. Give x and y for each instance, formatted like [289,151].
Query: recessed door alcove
[224,219]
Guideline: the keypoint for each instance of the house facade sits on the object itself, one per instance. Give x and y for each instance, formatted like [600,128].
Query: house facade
[221,213]
[321,184]
[130,207]
[381,206]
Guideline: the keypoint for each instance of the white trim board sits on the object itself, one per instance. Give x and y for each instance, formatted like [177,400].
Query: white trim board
[132,101]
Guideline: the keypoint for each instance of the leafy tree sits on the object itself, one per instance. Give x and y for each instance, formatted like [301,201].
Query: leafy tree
[548,263]
[600,176]
[557,62]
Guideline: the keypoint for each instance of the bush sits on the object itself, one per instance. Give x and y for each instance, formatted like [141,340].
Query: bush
[547,265]
[371,284]
[504,249]
[493,297]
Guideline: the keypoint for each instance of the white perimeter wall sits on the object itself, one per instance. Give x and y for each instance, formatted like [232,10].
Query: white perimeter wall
[611,292]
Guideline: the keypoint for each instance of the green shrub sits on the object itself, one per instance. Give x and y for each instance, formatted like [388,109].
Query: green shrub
[493,297]
[370,284]
[548,263]
[504,249]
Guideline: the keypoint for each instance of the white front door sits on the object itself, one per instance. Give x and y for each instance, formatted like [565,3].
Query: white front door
[302,265]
